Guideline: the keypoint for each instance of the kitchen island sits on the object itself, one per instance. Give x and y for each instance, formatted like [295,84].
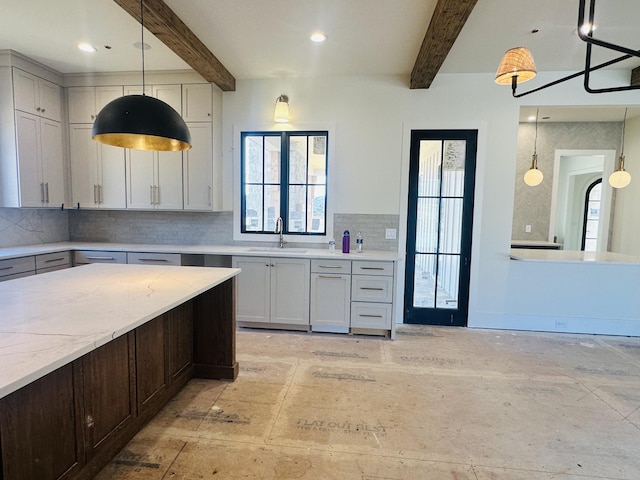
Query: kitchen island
[90,354]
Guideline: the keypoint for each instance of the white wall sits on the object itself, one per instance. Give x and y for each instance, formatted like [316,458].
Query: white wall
[626,228]
[373,117]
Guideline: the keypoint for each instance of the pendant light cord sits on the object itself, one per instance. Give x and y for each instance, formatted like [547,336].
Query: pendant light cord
[624,122]
[142,40]
[535,141]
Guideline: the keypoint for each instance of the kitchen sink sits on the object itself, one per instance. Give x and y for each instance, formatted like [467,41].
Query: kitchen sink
[277,250]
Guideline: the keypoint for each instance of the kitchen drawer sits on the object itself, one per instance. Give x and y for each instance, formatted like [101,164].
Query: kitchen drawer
[48,261]
[371,315]
[54,268]
[362,267]
[330,266]
[82,257]
[370,288]
[13,266]
[4,278]
[154,258]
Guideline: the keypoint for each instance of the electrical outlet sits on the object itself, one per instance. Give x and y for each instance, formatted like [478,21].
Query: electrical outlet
[527,228]
[390,234]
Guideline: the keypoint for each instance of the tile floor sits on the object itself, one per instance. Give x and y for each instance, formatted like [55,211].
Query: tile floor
[437,403]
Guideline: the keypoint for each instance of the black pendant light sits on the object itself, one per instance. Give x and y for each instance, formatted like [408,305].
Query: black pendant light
[141,122]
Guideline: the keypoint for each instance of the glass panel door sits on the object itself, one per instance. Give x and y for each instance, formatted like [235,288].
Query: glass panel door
[441,181]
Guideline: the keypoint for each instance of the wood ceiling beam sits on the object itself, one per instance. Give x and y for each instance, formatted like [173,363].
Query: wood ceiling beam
[446,23]
[160,20]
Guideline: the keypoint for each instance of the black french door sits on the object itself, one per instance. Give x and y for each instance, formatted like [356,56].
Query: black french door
[439,226]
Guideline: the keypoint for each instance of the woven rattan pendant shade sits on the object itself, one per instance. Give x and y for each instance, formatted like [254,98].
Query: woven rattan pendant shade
[516,62]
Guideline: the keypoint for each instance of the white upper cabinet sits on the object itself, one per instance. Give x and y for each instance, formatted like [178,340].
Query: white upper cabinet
[86,102]
[41,163]
[154,180]
[197,164]
[197,103]
[37,96]
[169,94]
[97,171]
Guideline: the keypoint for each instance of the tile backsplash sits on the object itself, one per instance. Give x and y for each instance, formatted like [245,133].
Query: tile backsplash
[27,226]
[33,226]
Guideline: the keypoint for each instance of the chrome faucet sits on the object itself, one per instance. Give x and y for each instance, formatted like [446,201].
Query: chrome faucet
[280,229]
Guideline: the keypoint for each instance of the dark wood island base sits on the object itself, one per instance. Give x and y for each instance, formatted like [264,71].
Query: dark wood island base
[71,422]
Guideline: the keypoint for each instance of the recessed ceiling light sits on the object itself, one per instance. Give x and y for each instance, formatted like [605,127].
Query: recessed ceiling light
[85,47]
[140,46]
[318,37]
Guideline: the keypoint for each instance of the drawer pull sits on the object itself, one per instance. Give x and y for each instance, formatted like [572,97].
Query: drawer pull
[328,276]
[372,288]
[7,268]
[153,260]
[371,268]
[100,258]
[54,260]
[369,316]
[330,266]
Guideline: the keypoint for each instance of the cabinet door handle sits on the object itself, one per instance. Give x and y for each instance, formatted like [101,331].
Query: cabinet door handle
[42,192]
[153,260]
[371,268]
[54,260]
[329,276]
[42,110]
[100,192]
[46,192]
[369,316]
[372,288]
[99,258]
[95,195]
[6,268]
[210,195]
[156,194]
[151,194]
[329,266]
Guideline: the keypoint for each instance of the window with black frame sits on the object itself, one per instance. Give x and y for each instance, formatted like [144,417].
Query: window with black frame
[284,174]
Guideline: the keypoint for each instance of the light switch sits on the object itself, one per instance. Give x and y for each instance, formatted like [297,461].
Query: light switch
[390,234]
[527,228]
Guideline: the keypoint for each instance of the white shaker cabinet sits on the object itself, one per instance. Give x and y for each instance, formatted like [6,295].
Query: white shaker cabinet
[169,94]
[97,171]
[330,306]
[86,102]
[198,188]
[154,180]
[40,161]
[273,292]
[197,102]
[37,96]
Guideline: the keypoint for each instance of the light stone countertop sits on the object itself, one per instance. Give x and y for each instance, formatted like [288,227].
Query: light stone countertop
[572,256]
[258,251]
[47,321]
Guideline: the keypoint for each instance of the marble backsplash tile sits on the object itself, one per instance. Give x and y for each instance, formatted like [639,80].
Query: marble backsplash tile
[32,226]
[199,228]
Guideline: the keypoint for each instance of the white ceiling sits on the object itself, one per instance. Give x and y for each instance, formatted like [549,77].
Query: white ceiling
[266,39]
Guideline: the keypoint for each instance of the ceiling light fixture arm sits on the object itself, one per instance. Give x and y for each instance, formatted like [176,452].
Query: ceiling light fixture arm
[590,41]
[142,42]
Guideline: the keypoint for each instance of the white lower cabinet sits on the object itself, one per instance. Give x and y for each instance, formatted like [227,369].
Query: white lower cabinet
[372,296]
[330,309]
[272,292]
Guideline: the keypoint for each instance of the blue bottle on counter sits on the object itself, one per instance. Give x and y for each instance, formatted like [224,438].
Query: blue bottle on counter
[346,242]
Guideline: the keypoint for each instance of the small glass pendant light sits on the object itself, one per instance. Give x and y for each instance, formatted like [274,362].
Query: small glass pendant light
[533,177]
[620,178]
